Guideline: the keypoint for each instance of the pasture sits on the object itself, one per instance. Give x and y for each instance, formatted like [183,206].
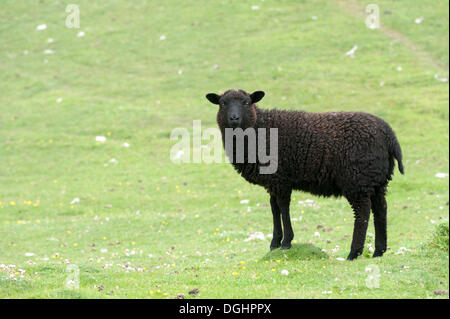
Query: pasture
[86,217]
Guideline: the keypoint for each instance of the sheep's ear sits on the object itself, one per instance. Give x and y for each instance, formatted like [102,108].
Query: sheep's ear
[213,98]
[257,96]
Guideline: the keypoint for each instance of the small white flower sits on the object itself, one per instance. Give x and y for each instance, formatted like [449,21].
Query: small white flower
[80,34]
[29,254]
[351,53]
[75,200]
[255,7]
[399,68]
[340,259]
[126,144]
[48,51]
[443,79]
[255,235]
[419,20]
[59,100]
[100,139]
[180,71]
[50,40]
[402,250]
[441,175]
[314,17]
[284,272]
[162,38]
[41,27]
[244,201]
[316,234]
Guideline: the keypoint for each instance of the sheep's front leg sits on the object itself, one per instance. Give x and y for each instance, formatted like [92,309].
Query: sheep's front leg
[361,208]
[277,231]
[283,203]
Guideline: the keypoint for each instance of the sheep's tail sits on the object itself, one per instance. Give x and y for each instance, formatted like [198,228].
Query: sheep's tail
[396,152]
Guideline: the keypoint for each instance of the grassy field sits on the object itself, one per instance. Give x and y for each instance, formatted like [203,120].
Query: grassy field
[145,227]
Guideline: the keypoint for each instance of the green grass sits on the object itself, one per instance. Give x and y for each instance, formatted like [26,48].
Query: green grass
[121,81]
[440,237]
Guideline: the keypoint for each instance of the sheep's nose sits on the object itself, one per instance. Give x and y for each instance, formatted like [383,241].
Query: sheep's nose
[234,117]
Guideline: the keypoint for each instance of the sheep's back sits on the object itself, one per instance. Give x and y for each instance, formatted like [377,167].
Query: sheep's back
[328,153]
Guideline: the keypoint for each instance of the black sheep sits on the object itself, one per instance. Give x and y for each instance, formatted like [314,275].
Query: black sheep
[348,154]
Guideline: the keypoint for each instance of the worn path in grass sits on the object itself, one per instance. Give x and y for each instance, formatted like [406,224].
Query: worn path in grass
[357,9]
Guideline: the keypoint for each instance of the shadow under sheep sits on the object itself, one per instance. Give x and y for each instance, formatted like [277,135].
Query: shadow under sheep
[302,251]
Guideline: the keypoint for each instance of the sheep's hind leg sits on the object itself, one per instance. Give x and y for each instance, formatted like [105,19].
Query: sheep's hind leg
[288,234]
[361,208]
[277,231]
[379,208]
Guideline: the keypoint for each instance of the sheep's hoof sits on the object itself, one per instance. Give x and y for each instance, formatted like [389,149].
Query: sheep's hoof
[275,243]
[353,255]
[286,246]
[378,253]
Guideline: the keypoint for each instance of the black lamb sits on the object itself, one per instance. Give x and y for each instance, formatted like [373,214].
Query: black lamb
[348,154]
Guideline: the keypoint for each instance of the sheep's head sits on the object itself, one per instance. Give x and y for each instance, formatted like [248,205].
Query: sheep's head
[236,108]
